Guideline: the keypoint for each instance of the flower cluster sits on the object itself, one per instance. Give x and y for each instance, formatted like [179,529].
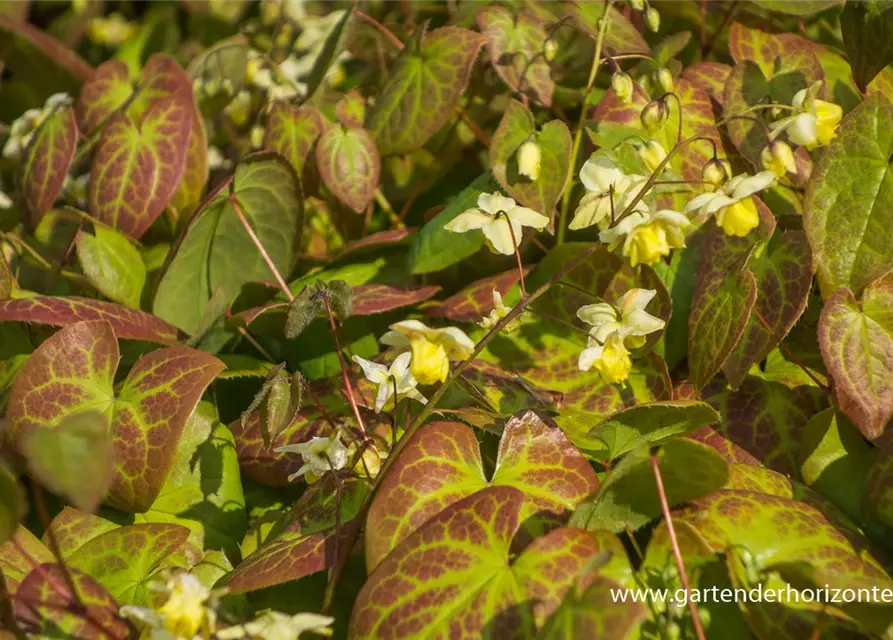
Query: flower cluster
[23,128]
[616,329]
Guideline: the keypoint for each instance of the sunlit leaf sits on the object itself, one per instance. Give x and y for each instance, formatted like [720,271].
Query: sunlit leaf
[112,264]
[46,161]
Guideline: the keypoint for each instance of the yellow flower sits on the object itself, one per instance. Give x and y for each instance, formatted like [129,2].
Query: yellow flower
[501,221]
[646,238]
[623,86]
[815,124]
[185,614]
[396,377]
[430,363]
[739,219]
[499,311]
[735,210]
[778,158]
[110,31]
[530,158]
[610,359]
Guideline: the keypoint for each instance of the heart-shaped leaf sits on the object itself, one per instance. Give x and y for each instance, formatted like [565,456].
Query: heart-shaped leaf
[473,582]
[349,165]
[534,456]
[849,200]
[61,311]
[291,132]
[76,368]
[423,89]
[857,347]
[515,45]
[554,140]
[112,264]
[217,251]
[107,88]
[136,168]
[46,161]
[867,29]
[127,559]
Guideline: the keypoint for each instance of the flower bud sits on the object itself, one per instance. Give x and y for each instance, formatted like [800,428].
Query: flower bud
[652,19]
[257,136]
[623,86]
[778,158]
[665,79]
[654,116]
[637,5]
[652,154]
[550,49]
[714,174]
[529,159]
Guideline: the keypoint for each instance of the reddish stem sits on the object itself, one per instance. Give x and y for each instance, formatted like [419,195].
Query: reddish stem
[482,137]
[680,565]
[320,407]
[387,33]
[260,247]
[517,253]
[348,387]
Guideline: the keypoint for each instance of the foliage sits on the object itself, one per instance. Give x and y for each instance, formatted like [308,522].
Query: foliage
[446,319]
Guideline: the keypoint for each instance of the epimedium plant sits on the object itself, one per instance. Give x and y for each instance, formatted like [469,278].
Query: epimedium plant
[445,318]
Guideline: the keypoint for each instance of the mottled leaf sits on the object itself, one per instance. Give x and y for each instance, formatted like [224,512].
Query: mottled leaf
[112,264]
[59,311]
[73,528]
[594,613]
[554,139]
[126,560]
[867,29]
[292,132]
[849,200]
[378,298]
[107,88]
[473,586]
[45,605]
[442,464]
[72,458]
[349,164]
[217,250]
[857,347]
[46,161]
[709,77]
[515,45]
[16,564]
[476,300]
[136,168]
[628,498]
[423,89]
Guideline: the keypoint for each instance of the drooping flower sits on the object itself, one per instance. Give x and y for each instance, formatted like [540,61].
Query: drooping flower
[735,210]
[499,311]
[186,613]
[432,349]
[665,79]
[274,625]
[627,317]
[610,359]
[654,116]
[814,124]
[493,216]
[778,158]
[387,377]
[607,189]
[320,456]
[623,86]
[647,237]
[714,174]
[652,154]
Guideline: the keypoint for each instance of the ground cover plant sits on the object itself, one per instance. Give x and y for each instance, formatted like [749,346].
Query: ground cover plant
[446,319]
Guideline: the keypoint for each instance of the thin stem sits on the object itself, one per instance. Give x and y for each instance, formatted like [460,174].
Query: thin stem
[788,352]
[388,209]
[578,135]
[505,216]
[677,554]
[387,33]
[260,247]
[482,137]
[348,387]
[256,344]
[320,407]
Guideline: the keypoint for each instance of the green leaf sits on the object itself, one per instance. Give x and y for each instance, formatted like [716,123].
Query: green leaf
[534,457]
[423,89]
[16,564]
[217,251]
[554,139]
[136,168]
[867,29]
[879,491]
[73,458]
[835,460]
[473,581]
[857,347]
[331,49]
[349,164]
[849,200]
[434,248]
[203,490]
[798,7]
[51,606]
[652,423]
[46,161]
[291,132]
[621,37]
[12,504]
[515,45]
[127,559]
[61,311]
[628,497]
[112,264]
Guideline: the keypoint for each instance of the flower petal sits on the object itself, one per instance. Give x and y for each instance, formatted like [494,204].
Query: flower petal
[500,237]
[599,173]
[493,203]
[373,371]
[468,221]
[597,314]
[588,356]
[753,184]
[528,217]
[635,299]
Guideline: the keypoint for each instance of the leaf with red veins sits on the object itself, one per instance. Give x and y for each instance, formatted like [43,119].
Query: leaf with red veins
[46,161]
[476,300]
